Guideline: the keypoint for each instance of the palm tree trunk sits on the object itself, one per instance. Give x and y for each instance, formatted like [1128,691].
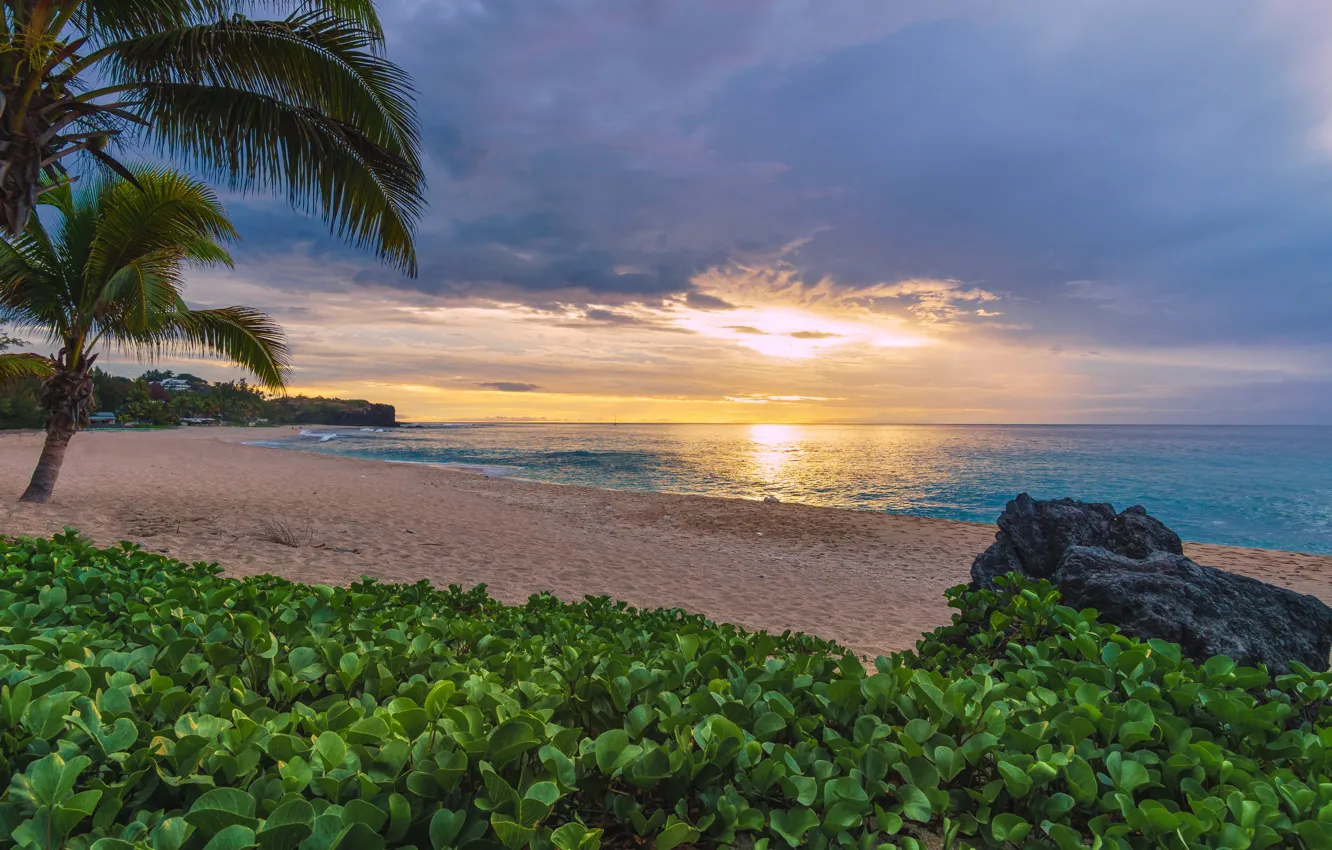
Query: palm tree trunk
[66,396]
[48,468]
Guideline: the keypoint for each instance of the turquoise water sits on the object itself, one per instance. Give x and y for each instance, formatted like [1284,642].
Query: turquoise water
[1247,486]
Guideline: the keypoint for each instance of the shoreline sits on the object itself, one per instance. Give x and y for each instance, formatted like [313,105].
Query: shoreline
[514,473]
[872,581]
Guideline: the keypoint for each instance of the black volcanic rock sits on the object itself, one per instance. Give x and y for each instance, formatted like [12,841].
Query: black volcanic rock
[1205,610]
[1136,534]
[1033,535]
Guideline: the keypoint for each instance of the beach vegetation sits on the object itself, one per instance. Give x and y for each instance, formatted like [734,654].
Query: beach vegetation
[235,402]
[305,104]
[151,704]
[284,531]
[110,274]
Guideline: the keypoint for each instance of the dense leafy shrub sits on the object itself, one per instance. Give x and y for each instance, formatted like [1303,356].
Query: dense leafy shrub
[147,703]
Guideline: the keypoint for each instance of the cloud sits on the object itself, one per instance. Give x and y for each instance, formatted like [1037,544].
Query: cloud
[603,318]
[701,301]
[1118,298]
[977,179]
[509,386]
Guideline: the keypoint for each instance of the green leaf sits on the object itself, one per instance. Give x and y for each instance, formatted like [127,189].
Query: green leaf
[559,765]
[537,803]
[1064,837]
[609,747]
[1081,779]
[220,808]
[915,803]
[445,827]
[1016,780]
[47,781]
[234,837]
[400,817]
[792,825]
[688,645]
[358,836]
[288,825]
[510,740]
[674,835]
[919,730]
[1007,826]
[331,750]
[806,787]
[67,814]
[575,836]
[170,834]
[513,835]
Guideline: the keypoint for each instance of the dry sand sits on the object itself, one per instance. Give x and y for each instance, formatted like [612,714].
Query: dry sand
[871,581]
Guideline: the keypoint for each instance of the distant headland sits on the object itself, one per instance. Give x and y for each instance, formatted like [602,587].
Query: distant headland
[164,398]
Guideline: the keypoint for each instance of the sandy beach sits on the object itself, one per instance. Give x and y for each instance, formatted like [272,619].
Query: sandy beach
[871,581]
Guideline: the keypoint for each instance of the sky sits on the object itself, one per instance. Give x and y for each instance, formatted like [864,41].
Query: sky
[1085,211]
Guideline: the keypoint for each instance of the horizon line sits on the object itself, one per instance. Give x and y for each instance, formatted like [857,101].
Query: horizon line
[880,424]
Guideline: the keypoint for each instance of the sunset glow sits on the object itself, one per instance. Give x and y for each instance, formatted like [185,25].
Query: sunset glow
[634,217]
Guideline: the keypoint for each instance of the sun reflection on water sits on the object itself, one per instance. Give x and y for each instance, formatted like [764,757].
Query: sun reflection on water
[773,449]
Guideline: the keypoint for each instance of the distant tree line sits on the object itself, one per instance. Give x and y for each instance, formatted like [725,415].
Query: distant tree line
[146,401]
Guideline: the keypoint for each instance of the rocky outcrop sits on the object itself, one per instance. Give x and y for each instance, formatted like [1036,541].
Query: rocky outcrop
[1205,610]
[345,414]
[372,415]
[1033,535]
[1131,568]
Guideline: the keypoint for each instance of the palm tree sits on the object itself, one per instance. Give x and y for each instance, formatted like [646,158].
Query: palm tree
[306,104]
[110,274]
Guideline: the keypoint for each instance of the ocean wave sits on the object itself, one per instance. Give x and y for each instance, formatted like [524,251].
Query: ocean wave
[488,470]
[322,436]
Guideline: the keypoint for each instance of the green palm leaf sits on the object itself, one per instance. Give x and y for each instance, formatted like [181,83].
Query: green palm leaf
[114,273]
[328,166]
[16,367]
[305,104]
[246,337]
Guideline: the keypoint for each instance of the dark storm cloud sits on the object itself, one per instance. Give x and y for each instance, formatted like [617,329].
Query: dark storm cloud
[1124,173]
[509,386]
[1160,156]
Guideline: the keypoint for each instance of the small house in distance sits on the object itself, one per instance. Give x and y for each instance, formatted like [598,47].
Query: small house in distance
[176,385]
[101,420]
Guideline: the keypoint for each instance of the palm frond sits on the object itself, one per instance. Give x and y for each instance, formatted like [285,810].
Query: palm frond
[113,275]
[246,337]
[134,298]
[158,220]
[33,291]
[315,60]
[17,367]
[368,195]
[117,18]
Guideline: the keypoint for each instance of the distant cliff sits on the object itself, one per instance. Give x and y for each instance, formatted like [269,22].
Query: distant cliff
[304,410]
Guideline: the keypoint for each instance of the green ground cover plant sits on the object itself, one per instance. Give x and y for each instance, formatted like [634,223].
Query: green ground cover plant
[146,703]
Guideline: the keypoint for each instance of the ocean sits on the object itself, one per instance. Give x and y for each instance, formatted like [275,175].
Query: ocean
[1269,487]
